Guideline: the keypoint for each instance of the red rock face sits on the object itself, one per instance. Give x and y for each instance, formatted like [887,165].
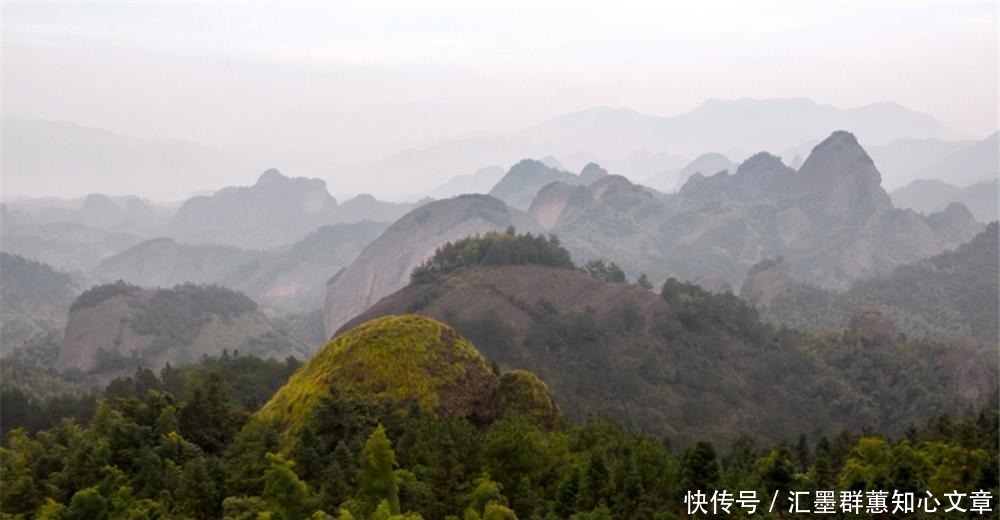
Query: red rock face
[118,325]
[385,265]
[762,287]
[102,327]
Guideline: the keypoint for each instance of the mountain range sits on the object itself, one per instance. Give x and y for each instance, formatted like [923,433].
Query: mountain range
[930,196]
[276,210]
[948,297]
[630,143]
[831,220]
[681,364]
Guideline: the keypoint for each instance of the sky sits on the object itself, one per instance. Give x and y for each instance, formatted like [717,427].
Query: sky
[210,72]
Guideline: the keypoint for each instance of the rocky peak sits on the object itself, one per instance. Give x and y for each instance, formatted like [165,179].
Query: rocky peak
[521,183]
[592,172]
[554,200]
[99,211]
[526,169]
[706,164]
[762,176]
[385,264]
[271,175]
[97,201]
[843,176]
[955,223]
[760,162]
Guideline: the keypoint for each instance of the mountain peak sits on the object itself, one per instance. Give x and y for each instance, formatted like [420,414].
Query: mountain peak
[841,171]
[760,161]
[270,175]
[842,137]
[592,172]
[431,364]
[521,183]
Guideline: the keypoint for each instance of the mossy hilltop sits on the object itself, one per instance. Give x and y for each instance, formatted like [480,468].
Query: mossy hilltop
[400,359]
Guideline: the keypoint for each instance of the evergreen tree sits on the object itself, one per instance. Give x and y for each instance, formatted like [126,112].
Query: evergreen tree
[777,471]
[196,491]
[700,468]
[594,482]
[377,478]
[567,493]
[307,453]
[246,461]
[644,282]
[284,490]
[803,454]
[207,419]
[823,473]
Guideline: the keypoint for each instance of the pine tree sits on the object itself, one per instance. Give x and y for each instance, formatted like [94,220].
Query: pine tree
[700,468]
[307,453]
[777,471]
[525,498]
[284,489]
[334,489]
[377,478]
[567,493]
[246,462]
[823,473]
[802,453]
[346,460]
[594,482]
[644,282]
[196,492]
[206,419]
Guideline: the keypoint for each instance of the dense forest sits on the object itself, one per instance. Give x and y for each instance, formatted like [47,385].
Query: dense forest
[183,445]
[401,418]
[492,248]
[685,363]
[949,296]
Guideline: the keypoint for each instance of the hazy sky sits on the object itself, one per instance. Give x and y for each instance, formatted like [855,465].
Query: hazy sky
[206,71]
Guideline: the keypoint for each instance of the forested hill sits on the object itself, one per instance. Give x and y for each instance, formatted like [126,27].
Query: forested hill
[34,298]
[401,444]
[687,364]
[951,296]
[115,327]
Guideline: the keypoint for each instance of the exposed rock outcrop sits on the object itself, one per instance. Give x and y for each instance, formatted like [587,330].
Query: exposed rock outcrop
[385,265]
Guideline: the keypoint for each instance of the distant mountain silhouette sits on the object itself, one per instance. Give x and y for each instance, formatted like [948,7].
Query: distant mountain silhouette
[830,220]
[673,180]
[980,161]
[930,196]
[521,183]
[276,210]
[610,135]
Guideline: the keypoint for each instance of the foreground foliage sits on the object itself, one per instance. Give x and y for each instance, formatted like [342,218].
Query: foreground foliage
[152,449]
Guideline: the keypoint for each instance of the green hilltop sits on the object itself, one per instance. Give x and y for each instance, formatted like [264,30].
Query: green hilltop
[404,360]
